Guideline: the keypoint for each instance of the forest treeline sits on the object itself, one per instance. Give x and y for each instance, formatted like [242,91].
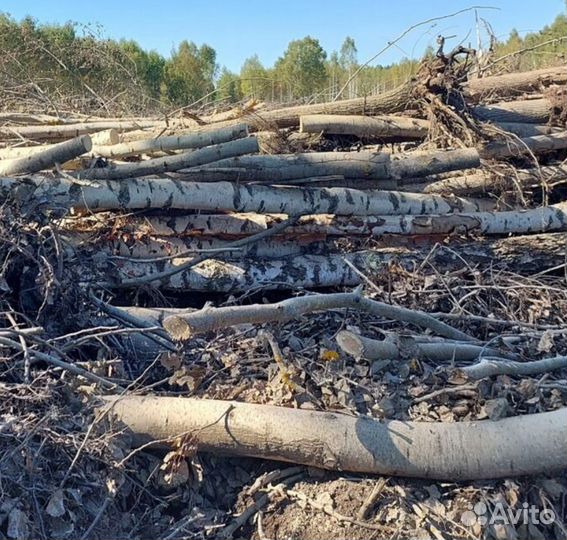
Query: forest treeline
[73,66]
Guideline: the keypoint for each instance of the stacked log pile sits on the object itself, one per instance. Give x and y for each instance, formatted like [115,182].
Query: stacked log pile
[187,207]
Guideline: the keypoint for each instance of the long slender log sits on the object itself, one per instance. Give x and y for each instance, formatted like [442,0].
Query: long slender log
[176,142]
[386,127]
[522,445]
[397,347]
[397,127]
[479,182]
[226,196]
[531,111]
[174,163]
[47,158]
[535,220]
[279,168]
[67,131]
[396,100]
[528,145]
[185,326]
[525,129]
[110,136]
[488,367]
[159,247]
[515,83]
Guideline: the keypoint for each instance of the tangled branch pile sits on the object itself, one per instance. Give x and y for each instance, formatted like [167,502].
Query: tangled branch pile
[443,202]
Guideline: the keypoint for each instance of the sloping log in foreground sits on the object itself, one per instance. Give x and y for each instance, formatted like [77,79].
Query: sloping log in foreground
[108,137]
[168,194]
[176,162]
[277,169]
[48,157]
[530,444]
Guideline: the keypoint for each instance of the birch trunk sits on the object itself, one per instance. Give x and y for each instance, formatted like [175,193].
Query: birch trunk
[176,142]
[308,271]
[543,219]
[531,444]
[174,163]
[47,158]
[526,130]
[528,145]
[151,247]
[67,131]
[481,182]
[369,165]
[225,196]
[515,83]
[531,111]
[386,127]
[107,137]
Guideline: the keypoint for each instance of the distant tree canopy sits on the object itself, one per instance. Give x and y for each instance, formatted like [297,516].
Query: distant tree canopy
[73,66]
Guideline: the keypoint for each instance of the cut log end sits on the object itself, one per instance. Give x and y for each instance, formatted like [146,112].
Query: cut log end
[350,343]
[177,328]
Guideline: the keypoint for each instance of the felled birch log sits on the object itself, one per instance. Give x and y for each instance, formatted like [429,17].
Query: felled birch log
[225,196]
[175,142]
[193,158]
[472,184]
[67,131]
[152,247]
[47,158]
[184,326]
[387,127]
[530,444]
[396,347]
[531,111]
[534,220]
[107,137]
[528,145]
[526,130]
[279,168]
[515,83]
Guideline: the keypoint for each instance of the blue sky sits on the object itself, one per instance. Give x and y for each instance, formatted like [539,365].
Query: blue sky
[239,29]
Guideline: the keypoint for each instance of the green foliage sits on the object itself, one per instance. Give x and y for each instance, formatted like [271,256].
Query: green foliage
[302,68]
[189,74]
[254,79]
[72,67]
[228,87]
